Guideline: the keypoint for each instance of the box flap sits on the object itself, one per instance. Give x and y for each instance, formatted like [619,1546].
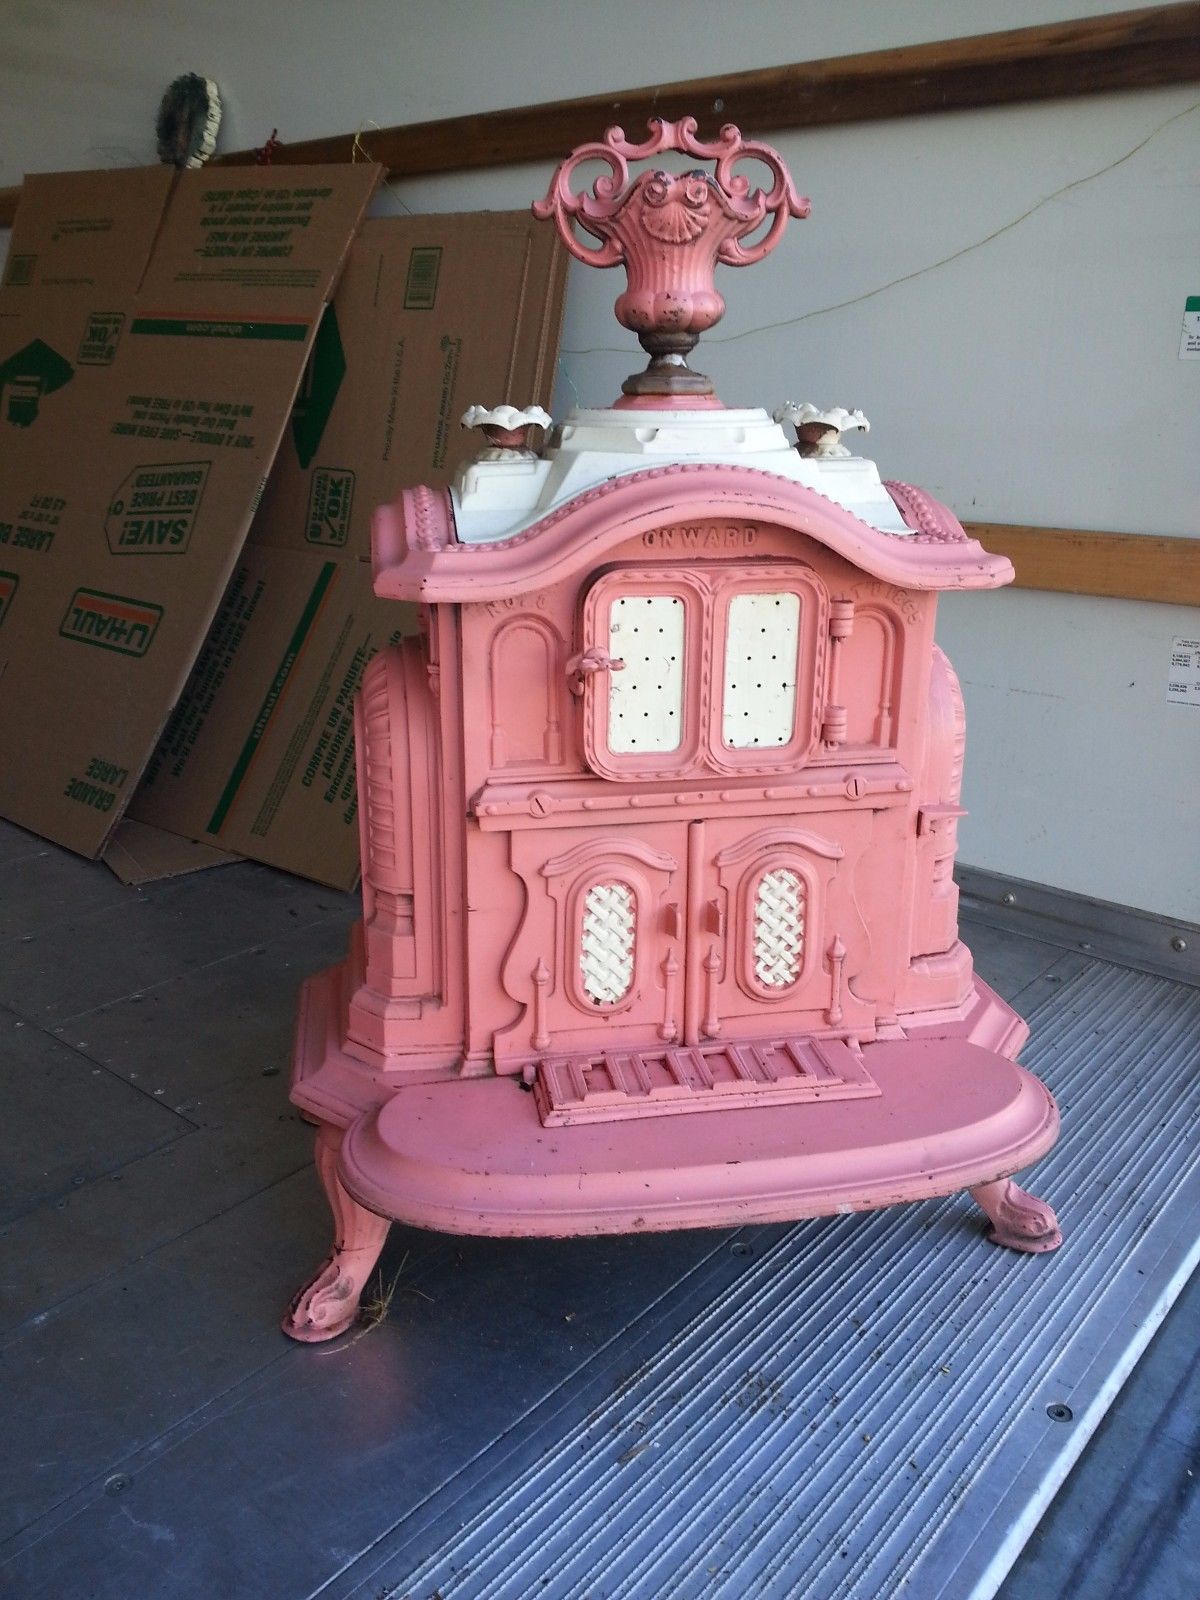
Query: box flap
[139,853]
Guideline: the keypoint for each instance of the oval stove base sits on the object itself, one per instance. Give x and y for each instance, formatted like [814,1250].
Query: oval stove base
[473,1157]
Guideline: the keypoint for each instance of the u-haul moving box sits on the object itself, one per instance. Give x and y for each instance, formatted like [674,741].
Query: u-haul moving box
[432,314]
[154,329]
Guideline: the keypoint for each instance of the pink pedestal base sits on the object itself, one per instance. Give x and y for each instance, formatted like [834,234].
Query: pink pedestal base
[473,1156]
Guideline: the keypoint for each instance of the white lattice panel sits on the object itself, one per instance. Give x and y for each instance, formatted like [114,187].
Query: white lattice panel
[606,942]
[761,642]
[645,698]
[778,928]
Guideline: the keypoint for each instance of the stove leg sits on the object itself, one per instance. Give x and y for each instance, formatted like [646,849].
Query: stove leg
[1019,1220]
[328,1304]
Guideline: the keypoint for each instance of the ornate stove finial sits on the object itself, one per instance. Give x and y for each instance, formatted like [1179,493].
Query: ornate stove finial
[507,430]
[818,432]
[669,230]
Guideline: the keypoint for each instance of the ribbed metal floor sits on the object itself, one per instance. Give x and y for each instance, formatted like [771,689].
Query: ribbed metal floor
[864,1412]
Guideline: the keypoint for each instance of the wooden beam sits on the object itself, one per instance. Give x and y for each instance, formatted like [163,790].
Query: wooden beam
[1140,49]
[1125,566]
[1125,50]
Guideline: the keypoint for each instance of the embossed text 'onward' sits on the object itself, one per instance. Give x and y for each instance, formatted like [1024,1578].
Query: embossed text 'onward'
[702,536]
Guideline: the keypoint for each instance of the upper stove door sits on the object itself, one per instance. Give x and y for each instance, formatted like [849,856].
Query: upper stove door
[714,668]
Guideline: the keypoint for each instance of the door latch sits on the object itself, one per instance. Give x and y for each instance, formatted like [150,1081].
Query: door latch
[596,659]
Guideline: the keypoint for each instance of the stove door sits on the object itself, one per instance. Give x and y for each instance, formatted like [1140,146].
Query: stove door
[773,924]
[598,960]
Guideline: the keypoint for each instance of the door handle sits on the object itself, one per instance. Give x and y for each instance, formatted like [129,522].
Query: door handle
[596,659]
[714,918]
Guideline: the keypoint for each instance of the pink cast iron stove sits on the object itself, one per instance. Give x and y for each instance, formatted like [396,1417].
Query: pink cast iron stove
[658,814]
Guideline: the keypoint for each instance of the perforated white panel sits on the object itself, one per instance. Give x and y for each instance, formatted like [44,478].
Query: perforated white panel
[761,641]
[645,699]
[779,928]
[606,942]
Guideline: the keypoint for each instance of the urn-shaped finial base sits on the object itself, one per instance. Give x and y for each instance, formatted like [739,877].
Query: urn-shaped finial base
[669,230]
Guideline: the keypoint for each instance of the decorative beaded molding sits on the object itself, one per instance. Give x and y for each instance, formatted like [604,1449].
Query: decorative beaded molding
[779,928]
[628,480]
[429,522]
[589,497]
[606,942]
[578,532]
[934,522]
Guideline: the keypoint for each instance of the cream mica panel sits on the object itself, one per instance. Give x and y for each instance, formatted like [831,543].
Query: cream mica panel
[645,697]
[761,640]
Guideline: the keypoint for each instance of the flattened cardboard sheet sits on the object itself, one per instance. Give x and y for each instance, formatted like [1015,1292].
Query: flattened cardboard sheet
[432,314]
[153,332]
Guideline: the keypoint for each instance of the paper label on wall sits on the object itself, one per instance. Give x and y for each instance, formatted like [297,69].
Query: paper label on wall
[1183,677]
[1189,338]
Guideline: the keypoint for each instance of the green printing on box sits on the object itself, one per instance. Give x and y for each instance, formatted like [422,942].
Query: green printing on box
[100,338]
[20,272]
[329,503]
[155,507]
[31,373]
[420,287]
[318,388]
[223,328]
[272,697]
[111,621]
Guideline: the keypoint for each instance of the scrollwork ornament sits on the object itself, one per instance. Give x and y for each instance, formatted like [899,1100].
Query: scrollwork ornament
[669,231]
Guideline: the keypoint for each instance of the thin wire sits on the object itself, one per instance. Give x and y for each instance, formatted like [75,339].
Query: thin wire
[358,150]
[565,375]
[907,277]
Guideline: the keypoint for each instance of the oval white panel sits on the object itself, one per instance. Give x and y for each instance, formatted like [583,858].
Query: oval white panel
[779,928]
[606,942]
[761,639]
[645,698]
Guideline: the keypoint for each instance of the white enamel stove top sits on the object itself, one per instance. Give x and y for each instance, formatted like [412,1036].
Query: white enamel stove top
[494,499]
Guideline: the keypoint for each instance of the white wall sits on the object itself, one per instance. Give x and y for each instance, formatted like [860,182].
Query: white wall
[1000,290]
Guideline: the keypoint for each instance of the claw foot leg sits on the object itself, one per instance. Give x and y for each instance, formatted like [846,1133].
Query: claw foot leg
[1019,1220]
[328,1304]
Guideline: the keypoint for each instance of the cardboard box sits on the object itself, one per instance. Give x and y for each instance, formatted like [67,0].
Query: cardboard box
[432,314]
[139,853]
[154,328]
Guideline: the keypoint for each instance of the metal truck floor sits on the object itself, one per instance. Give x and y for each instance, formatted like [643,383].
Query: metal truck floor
[861,1407]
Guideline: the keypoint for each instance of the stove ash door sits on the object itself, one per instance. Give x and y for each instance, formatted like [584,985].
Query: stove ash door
[776,932]
[598,960]
[687,933]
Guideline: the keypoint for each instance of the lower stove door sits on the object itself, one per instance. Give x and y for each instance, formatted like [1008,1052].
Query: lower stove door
[473,1156]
